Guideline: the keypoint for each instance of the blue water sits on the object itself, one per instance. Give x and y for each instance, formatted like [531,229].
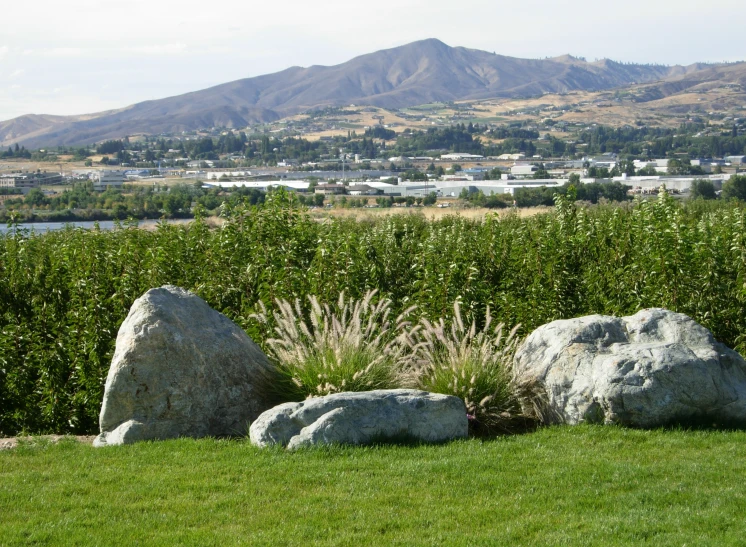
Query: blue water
[41,227]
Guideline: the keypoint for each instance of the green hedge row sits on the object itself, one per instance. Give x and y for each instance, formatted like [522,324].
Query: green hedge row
[64,294]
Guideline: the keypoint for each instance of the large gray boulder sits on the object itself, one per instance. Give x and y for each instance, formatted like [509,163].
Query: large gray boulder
[652,369]
[181,369]
[362,418]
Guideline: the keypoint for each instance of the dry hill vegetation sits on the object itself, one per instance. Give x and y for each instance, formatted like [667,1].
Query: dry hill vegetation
[613,109]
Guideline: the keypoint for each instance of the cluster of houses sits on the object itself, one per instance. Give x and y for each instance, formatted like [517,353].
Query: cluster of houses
[521,174]
[453,188]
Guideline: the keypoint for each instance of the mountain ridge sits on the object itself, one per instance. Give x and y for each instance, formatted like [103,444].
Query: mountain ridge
[416,73]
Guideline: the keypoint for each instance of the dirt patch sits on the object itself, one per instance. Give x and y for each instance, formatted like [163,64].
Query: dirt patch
[12,442]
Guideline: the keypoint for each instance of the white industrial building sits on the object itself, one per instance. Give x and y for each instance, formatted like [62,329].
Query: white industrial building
[453,188]
[215,175]
[107,179]
[523,170]
[660,166]
[454,185]
[263,185]
[507,157]
[458,156]
[679,184]
[363,190]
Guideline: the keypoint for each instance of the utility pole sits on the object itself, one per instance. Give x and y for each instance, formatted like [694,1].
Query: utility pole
[342,155]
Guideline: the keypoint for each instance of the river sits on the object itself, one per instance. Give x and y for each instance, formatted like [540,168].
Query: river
[40,227]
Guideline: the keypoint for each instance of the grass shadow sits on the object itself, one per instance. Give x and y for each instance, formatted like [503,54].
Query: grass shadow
[702,423]
[515,425]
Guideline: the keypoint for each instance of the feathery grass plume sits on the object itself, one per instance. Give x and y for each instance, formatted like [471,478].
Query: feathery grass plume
[350,346]
[476,366]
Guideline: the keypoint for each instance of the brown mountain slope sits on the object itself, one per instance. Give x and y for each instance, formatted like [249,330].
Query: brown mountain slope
[707,78]
[413,74]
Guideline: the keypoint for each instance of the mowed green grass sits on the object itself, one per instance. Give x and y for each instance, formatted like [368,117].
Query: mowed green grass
[557,486]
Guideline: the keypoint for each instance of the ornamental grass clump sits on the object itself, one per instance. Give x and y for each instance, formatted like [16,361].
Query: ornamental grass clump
[350,346]
[476,366]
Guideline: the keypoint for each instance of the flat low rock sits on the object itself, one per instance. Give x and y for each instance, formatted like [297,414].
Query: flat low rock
[363,418]
[181,369]
[652,369]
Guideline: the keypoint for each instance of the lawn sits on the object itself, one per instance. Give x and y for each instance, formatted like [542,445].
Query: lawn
[557,486]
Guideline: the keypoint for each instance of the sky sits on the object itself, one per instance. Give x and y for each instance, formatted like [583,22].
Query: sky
[83,56]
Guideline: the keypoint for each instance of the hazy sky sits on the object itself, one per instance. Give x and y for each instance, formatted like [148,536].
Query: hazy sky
[80,56]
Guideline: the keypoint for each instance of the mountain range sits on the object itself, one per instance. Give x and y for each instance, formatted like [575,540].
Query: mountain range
[417,73]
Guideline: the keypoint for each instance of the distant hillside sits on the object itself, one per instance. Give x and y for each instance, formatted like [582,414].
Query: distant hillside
[704,79]
[417,73]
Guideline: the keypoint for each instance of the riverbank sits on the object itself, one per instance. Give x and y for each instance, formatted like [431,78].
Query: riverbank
[83,215]
[212,222]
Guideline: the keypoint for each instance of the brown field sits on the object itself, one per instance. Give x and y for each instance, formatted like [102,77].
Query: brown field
[171,181]
[431,213]
[9,165]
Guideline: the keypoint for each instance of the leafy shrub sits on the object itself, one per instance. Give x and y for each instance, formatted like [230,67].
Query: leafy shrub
[64,294]
[347,347]
[735,188]
[703,189]
[474,365]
